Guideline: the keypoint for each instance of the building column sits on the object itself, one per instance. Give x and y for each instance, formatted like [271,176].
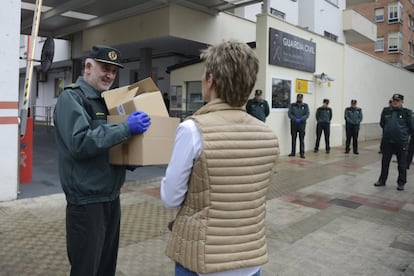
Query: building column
[266,6]
[9,100]
[145,65]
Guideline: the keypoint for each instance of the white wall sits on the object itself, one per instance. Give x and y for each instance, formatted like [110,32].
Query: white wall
[319,16]
[372,82]
[289,8]
[249,12]
[9,80]
[329,18]
[306,14]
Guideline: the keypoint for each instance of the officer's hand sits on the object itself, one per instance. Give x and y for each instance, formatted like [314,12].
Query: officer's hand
[138,122]
[298,120]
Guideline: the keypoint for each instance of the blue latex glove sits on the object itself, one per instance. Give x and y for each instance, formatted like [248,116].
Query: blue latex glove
[298,120]
[138,122]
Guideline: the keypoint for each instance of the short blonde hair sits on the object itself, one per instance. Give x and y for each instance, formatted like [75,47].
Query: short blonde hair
[234,68]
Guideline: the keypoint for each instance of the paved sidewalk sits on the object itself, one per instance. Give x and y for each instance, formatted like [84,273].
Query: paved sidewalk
[324,217]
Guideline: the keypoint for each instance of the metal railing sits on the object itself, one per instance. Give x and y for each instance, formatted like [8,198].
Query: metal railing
[42,115]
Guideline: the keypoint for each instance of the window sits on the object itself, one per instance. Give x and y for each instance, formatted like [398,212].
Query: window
[379,15]
[194,96]
[59,84]
[277,13]
[394,42]
[379,44]
[395,12]
[411,48]
[411,23]
[176,96]
[330,36]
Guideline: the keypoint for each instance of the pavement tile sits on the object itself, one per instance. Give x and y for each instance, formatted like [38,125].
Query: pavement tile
[346,165]
[134,258]
[408,207]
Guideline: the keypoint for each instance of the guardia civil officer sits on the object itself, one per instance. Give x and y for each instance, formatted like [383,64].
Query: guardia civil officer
[389,106]
[396,123]
[91,184]
[257,106]
[323,118]
[298,113]
[353,118]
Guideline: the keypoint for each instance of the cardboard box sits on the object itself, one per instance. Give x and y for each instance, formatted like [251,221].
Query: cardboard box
[143,95]
[153,147]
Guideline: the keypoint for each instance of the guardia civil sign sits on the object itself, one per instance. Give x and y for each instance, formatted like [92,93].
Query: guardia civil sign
[291,51]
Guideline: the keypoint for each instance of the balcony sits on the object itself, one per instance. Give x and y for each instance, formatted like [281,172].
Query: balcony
[357,28]
[350,3]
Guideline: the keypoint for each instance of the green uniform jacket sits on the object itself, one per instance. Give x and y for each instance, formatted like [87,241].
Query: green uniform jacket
[83,143]
[324,114]
[353,116]
[396,124]
[258,109]
[298,111]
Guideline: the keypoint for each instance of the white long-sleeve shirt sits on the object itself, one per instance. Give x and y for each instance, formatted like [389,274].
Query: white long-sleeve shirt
[187,149]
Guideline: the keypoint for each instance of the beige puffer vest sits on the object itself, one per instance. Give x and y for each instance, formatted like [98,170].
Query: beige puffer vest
[221,225]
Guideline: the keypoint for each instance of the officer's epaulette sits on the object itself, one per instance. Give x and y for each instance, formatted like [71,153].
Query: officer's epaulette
[72,86]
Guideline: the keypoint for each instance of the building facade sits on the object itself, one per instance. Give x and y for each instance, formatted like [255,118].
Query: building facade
[395,30]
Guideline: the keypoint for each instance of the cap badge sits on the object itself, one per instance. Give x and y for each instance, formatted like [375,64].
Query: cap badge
[112,55]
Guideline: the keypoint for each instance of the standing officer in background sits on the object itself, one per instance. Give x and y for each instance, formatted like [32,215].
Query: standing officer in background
[92,185]
[298,113]
[323,118]
[353,118]
[258,107]
[396,123]
[389,106]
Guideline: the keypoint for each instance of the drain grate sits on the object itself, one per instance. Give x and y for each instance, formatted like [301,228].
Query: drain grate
[345,203]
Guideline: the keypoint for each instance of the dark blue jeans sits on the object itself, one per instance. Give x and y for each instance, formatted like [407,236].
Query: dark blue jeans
[182,271]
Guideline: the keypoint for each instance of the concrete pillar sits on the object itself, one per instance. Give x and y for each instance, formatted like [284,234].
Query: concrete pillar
[9,99]
[145,65]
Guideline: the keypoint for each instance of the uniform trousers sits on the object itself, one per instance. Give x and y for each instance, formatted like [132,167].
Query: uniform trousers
[410,152]
[294,130]
[92,237]
[352,132]
[388,150]
[326,128]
